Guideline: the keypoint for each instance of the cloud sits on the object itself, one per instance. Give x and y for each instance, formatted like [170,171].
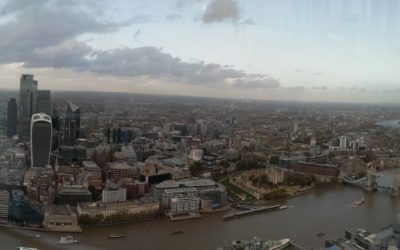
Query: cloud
[247,21]
[295,89]
[257,81]
[45,36]
[221,10]
[358,89]
[36,27]
[172,17]
[320,88]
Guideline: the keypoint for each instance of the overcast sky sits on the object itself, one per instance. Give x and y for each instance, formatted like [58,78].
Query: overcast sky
[325,50]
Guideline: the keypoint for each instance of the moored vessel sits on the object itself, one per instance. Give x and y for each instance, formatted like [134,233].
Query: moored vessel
[67,239]
[178,232]
[116,236]
[258,244]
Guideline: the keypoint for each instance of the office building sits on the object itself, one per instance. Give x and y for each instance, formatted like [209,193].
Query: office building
[71,154]
[342,142]
[41,132]
[113,194]
[27,104]
[23,210]
[118,211]
[55,120]
[12,116]
[71,195]
[72,124]
[4,200]
[44,102]
[185,204]
[60,218]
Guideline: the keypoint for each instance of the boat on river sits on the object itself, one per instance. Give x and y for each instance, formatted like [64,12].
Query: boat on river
[358,203]
[67,239]
[116,236]
[258,244]
[178,232]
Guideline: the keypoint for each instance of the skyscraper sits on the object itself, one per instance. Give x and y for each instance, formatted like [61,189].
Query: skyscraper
[12,111]
[41,133]
[44,102]
[72,124]
[27,104]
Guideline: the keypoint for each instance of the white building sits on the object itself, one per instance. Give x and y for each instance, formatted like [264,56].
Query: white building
[113,195]
[342,142]
[196,154]
[138,208]
[185,204]
[60,218]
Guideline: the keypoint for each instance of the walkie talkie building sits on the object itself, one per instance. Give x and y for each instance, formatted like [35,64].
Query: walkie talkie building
[41,132]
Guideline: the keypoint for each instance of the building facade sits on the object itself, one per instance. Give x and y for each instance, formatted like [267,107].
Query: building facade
[44,102]
[72,124]
[113,195]
[41,137]
[12,116]
[4,201]
[27,104]
[60,218]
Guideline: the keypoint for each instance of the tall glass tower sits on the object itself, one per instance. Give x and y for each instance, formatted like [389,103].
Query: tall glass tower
[72,124]
[27,104]
[12,111]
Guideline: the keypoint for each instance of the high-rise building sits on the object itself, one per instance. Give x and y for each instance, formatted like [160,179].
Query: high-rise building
[4,200]
[27,104]
[44,102]
[72,124]
[55,120]
[343,142]
[41,133]
[12,113]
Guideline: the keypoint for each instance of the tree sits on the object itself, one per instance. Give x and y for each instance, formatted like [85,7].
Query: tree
[274,160]
[196,168]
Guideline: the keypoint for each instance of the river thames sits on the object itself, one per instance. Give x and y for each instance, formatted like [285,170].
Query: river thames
[328,211]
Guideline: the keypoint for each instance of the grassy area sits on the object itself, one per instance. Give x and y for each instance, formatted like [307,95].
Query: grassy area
[235,189]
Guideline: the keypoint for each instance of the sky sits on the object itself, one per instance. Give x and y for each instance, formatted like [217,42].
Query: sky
[314,50]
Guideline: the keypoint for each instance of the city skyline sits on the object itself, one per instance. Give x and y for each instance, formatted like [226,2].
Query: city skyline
[323,50]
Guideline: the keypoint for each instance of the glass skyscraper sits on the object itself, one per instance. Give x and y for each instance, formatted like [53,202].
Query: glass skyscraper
[12,111]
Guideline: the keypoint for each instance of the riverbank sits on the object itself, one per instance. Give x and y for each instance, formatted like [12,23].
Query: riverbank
[328,211]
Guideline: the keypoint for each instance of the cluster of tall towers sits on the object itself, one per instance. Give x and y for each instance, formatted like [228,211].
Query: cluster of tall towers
[31,101]
[32,120]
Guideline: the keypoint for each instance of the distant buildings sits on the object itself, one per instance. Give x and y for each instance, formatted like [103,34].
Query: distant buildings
[113,194]
[4,204]
[60,218]
[41,137]
[44,102]
[31,101]
[317,169]
[187,196]
[72,124]
[12,116]
[98,212]
[343,142]
[71,195]
[196,154]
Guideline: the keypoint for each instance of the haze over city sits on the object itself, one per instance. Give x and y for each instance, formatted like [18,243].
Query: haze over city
[342,51]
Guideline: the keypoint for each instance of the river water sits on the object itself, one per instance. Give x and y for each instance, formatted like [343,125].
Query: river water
[389,123]
[329,211]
